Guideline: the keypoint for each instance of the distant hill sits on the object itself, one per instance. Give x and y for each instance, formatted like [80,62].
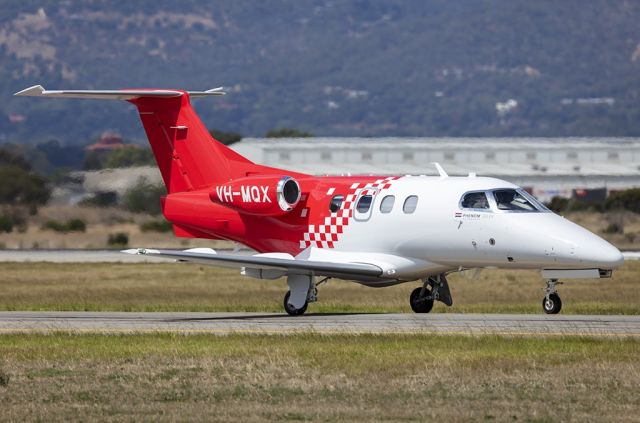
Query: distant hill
[348,67]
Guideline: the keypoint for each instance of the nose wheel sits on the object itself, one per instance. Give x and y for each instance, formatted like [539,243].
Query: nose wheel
[551,303]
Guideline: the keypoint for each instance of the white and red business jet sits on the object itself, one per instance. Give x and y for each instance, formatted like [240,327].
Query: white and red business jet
[374,230]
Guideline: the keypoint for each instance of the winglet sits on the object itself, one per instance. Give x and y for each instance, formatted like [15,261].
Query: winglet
[134,251]
[212,91]
[440,170]
[35,91]
[140,251]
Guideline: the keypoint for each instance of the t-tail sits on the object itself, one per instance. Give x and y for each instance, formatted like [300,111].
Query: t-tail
[187,155]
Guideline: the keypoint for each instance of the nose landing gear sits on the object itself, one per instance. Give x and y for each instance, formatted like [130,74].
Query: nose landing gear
[551,303]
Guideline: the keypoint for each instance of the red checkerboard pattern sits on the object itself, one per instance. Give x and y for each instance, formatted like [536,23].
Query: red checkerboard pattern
[328,233]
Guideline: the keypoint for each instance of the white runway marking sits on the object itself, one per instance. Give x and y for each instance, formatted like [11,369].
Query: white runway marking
[273,323]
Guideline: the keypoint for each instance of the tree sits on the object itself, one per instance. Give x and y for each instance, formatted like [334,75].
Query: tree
[7,158]
[225,138]
[144,197]
[20,186]
[127,156]
[93,160]
[626,200]
[287,133]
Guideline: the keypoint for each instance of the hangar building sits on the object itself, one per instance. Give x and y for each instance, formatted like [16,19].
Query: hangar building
[547,166]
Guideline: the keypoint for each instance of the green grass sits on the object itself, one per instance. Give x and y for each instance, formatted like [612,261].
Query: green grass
[315,377]
[188,287]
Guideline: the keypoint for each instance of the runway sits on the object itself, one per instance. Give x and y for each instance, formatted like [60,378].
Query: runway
[274,323]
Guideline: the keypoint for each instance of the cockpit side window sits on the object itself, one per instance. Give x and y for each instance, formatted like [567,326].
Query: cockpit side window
[475,200]
[512,200]
[335,203]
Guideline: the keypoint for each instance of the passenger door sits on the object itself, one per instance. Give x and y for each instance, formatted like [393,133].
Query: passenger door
[364,204]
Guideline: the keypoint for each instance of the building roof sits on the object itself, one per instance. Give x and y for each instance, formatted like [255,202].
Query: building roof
[459,156]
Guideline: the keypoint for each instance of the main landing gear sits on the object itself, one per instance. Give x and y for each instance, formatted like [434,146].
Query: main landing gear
[290,309]
[434,288]
[551,303]
[302,291]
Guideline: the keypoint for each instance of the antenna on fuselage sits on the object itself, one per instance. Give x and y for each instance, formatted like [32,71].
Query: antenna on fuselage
[440,170]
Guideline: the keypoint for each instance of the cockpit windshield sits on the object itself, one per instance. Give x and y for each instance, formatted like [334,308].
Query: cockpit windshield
[502,199]
[516,200]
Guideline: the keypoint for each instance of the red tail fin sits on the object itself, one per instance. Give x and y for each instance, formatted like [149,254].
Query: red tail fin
[188,157]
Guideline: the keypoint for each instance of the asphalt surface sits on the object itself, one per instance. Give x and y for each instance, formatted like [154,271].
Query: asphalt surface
[274,323]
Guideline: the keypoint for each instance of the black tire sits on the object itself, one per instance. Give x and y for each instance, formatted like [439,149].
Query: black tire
[553,305]
[419,305]
[291,311]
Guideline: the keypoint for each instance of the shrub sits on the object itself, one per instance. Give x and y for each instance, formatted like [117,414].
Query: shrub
[612,228]
[558,204]
[119,239]
[156,226]
[9,220]
[76,225]
[225,138]
[4,378]
[6,223]
[625,200]
[100,199]
[20,186]
[287,133]
[561,204]
[630,237]
[128,156]
[143,197]
[53,225]
[71,225]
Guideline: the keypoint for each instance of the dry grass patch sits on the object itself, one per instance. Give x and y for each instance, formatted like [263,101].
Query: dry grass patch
[313,377]
[100,223]
[189,287]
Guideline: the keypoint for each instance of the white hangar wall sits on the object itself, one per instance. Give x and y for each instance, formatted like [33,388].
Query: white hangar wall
[550,166]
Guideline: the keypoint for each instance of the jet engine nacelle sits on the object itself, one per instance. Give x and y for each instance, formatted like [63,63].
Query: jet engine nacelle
[265,195]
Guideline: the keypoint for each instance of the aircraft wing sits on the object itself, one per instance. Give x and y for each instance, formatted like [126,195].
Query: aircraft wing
[275,261]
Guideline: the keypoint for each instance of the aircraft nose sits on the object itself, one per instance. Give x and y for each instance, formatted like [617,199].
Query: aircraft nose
[611,256]
[599,253]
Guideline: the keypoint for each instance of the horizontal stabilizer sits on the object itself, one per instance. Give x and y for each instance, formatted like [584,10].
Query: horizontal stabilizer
[266,261]
[39,91]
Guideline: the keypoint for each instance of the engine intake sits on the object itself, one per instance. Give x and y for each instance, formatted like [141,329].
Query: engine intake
[266,195]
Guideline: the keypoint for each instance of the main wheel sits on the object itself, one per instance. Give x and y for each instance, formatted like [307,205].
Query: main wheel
[291,310]
[420,305]
[552,305]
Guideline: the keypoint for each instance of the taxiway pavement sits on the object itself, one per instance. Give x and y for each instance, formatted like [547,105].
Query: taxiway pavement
[274,323]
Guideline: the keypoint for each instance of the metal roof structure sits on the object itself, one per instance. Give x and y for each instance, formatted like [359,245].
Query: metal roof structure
[551,166]
[484,156]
